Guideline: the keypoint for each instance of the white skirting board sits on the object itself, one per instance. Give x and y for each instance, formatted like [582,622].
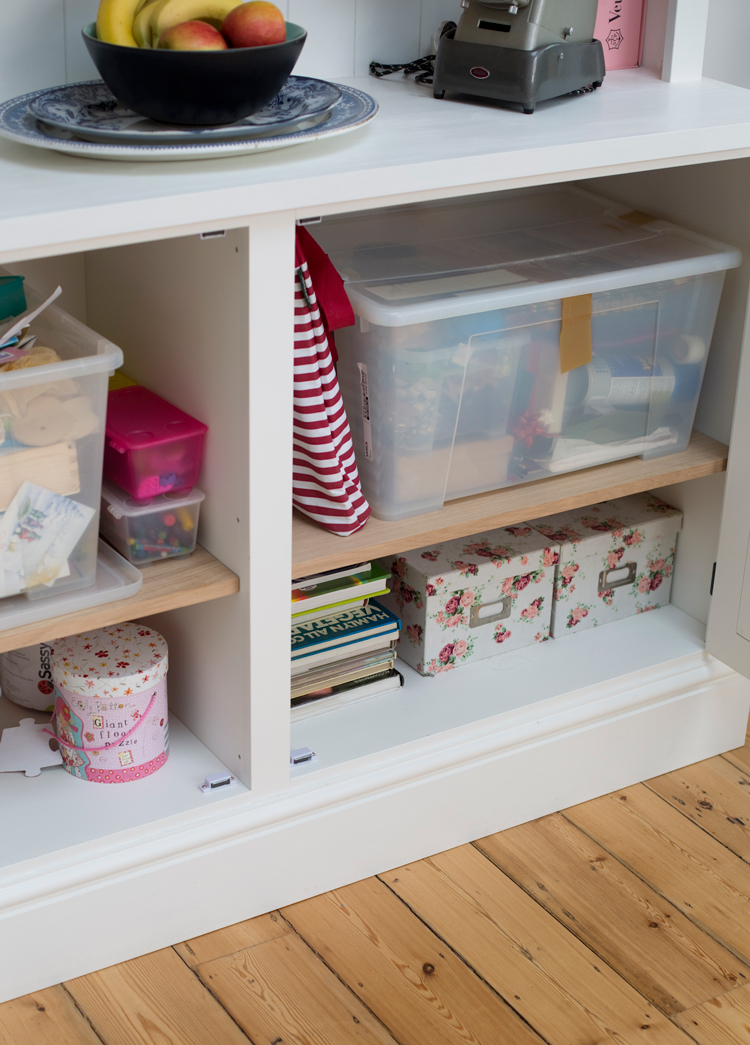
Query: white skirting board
[110,900]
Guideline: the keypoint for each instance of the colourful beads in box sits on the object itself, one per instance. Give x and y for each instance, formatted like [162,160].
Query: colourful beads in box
[164,527]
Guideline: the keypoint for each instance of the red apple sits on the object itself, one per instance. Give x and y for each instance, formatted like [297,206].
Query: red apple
[192,36]
[254,24]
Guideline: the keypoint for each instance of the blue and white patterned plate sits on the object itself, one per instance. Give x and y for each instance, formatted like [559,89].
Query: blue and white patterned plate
[19,123]
[91,111]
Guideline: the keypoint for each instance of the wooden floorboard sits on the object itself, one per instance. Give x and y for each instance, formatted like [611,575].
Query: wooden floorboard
[684,864]
[234,938]
[153,1000]
[48,1017]
[739,757]
[715,795]
[620,921]
[281,991]
[560,987]
[642,936]
[723,1021]
[413,982]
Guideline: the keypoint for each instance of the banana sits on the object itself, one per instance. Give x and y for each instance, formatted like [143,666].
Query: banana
[173,12]
[114,21]
[142,30]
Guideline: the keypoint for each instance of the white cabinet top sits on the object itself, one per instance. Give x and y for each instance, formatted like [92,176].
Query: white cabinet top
[417,147]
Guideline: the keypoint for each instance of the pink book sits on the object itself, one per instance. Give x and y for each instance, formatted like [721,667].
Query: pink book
[619,26]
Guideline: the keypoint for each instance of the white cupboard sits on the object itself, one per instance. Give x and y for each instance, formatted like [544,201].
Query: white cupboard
[92,876]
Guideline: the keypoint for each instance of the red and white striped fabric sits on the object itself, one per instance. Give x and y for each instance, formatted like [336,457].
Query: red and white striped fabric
[326,484]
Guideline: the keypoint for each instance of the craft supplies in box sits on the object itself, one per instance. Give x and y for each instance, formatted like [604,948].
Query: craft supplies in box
[165,527]
[151,447]
[26,676]
[12,297]
[472,598]
[111,703]
[615,559]
[511,338]
[52,406]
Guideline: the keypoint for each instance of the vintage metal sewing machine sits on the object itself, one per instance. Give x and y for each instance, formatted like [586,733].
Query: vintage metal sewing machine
[521,51]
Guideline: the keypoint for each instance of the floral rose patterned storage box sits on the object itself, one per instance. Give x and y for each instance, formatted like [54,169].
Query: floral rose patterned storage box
[615,559]
[472,598]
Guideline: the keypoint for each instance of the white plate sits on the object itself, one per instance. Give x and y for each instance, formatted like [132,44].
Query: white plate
[90,111]
[19,123]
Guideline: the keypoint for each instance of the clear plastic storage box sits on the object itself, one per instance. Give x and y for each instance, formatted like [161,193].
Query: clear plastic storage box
[452,375]
[152,447]
[51,442]
[165,527]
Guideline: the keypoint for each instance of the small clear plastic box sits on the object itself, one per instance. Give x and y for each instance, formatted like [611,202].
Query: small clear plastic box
[165,527]
[151,446]
[451,376]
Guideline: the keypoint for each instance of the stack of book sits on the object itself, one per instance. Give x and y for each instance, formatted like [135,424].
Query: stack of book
[343,641]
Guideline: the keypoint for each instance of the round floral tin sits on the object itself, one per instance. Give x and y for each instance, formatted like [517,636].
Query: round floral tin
[111,703]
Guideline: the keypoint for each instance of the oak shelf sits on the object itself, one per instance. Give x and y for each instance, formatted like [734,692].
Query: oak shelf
[315,549]
[166,586]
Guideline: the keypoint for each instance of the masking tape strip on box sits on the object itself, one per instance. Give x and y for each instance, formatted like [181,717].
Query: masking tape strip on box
[575,333]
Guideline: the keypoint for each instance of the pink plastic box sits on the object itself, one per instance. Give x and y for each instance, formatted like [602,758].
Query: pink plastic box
[151,447]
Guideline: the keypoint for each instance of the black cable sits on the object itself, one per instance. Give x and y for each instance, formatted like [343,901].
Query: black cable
[424,67]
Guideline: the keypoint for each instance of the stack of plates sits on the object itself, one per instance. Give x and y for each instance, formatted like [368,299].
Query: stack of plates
[86,119]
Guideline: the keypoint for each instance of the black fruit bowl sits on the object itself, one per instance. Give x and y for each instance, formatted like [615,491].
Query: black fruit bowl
[196,88]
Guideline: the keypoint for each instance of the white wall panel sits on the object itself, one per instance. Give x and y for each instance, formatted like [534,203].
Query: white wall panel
[386,31]
[329,49]
[433,13]
[697,544]
[78,65]
[31,46]
[726,42]
[654,36]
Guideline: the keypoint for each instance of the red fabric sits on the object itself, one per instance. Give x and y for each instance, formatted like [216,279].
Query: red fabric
[325,481]
[333,302]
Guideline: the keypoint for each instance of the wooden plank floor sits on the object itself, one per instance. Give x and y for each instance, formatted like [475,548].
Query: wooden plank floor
[621,921]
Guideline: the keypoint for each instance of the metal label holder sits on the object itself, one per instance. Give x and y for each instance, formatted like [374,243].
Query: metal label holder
[477,621]
[607,585]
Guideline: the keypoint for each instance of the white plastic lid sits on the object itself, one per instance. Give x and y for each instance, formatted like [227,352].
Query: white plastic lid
[123,504]
[437,261]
